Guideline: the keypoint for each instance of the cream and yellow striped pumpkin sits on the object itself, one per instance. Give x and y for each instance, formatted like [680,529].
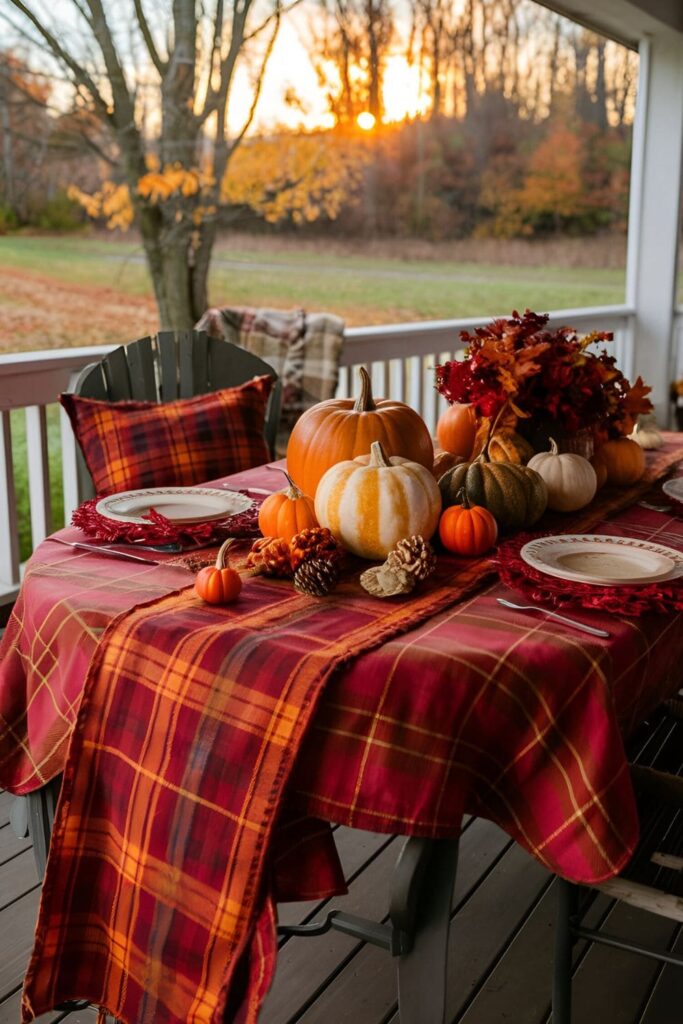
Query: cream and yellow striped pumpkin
[369,504]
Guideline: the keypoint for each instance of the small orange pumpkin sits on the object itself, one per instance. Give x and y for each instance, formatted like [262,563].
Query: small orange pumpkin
[457,428]
[287,512]
[467,529]
[218,584]
[623,459]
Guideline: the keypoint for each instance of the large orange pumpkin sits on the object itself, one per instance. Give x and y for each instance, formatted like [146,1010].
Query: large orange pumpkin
[623,459]
[457,428]
[286,513]
[340,429]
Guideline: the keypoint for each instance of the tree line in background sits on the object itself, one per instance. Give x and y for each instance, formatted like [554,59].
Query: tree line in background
[525,127]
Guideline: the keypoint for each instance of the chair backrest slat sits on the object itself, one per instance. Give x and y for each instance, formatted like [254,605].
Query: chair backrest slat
[143,383]
[117,376]
[200,364]
[168,365]
[90,383]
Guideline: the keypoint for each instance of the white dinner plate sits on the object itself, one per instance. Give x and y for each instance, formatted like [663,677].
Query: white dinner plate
[610,561]
[179,504]
[674,488]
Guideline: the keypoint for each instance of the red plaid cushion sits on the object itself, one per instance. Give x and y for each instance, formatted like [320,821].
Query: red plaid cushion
[128,445]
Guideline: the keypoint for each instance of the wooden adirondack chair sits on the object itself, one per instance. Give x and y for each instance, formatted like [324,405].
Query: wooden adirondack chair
[170,365]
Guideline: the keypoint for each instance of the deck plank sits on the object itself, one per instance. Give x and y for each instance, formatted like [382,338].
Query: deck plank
[10,844]
[6,800]
[19,921]
[664,1005]
[19,876]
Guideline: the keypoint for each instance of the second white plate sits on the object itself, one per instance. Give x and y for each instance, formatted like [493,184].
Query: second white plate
[597,559]
[179,504]
[674,488]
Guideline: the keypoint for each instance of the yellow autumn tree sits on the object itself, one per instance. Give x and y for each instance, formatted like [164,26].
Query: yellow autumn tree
[302,177]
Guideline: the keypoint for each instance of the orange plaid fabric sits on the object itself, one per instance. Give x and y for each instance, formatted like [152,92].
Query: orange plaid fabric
[128,445]
[188,733]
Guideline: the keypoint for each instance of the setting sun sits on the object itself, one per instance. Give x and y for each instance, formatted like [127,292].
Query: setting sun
[366,120]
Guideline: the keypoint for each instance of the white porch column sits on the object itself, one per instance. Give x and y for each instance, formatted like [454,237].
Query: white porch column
[655,211]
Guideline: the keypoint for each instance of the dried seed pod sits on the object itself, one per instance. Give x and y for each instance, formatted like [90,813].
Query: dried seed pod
[383,581]
[313,542]
[413,555]
[316,577]
[270,556]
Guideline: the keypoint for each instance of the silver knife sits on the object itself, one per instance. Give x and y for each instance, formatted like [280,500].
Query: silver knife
[107,551]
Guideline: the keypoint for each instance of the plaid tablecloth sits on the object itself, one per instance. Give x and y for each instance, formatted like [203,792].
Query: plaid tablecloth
[477,706]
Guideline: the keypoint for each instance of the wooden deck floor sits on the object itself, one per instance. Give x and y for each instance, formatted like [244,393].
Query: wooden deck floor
[500,956]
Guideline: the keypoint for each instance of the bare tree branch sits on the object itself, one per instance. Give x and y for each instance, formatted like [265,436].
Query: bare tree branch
[123,102]
[259,81]
[158,63]
[274,15]
[79,73]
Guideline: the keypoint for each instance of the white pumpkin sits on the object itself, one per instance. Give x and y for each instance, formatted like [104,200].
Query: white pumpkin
[370,507]
[646,433]
[570,479]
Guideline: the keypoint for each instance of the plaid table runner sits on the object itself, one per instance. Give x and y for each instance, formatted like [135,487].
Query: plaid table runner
[399,739]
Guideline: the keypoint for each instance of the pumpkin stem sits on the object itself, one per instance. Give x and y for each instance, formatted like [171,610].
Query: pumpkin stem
[293,491]
[221,557]
[553,446]
[462,499]
[365,402]
[378,456]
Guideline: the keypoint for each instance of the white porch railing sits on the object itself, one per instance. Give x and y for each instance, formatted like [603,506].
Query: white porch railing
[400,358]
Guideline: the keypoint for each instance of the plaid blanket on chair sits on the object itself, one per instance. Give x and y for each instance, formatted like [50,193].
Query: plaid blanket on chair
[303,349]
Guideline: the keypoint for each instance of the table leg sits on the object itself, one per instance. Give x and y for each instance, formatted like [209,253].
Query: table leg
[567,908]
[422,891]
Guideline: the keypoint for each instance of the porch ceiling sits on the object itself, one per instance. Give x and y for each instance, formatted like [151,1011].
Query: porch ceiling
[625,20]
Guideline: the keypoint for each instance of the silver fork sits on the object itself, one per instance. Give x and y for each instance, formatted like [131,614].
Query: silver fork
[554,615]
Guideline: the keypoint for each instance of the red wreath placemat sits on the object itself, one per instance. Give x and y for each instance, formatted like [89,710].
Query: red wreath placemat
[662,596]
[160,530]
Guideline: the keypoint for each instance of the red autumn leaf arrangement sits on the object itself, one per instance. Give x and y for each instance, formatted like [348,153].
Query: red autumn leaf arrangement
[546,375]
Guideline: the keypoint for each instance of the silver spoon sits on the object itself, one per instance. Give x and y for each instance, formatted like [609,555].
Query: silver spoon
[553,615]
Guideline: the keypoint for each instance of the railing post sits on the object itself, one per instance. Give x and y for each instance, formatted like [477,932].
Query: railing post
[38,473]
[654,212]
[9,533]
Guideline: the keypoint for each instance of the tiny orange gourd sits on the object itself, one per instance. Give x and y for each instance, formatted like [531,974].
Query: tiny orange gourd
[287,512]
[457,428]
[218,584]
[468,529]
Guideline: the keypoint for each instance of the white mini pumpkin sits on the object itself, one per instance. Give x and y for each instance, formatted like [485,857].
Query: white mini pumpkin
[570,479]
[370,505]
[646,433]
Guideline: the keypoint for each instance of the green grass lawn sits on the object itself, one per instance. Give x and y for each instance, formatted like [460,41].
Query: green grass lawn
[362,289]
[20,456]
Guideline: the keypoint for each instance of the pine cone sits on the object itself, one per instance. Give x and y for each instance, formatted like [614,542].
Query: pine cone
[313,542]
[316,577]
[413,555]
